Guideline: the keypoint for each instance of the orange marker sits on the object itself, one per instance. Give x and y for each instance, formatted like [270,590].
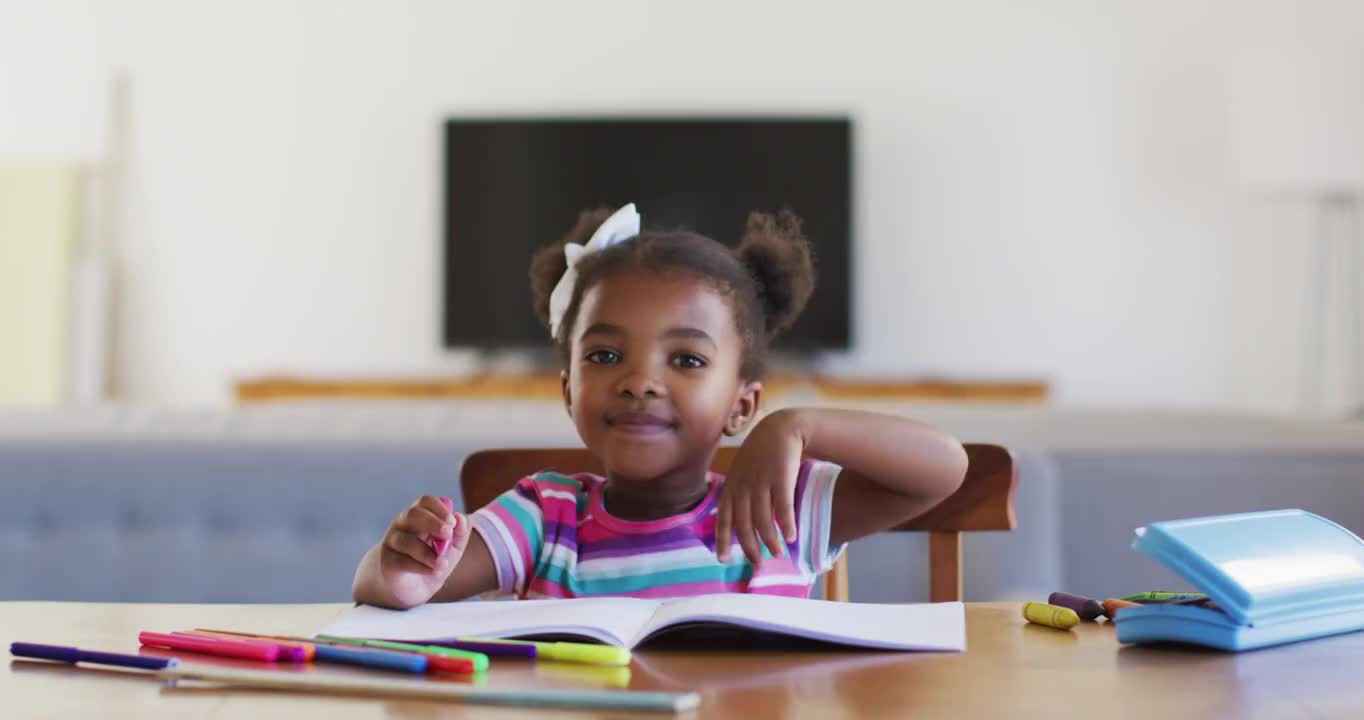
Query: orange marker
[309,650]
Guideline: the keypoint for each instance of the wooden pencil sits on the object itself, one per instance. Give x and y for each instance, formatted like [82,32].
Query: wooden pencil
[355,685]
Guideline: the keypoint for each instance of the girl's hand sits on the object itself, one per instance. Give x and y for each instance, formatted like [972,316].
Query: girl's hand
[761,486]
[408,564]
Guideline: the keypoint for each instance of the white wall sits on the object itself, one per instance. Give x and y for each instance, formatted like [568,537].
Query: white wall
[1042,188]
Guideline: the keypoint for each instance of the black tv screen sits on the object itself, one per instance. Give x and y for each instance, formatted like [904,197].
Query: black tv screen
[515,185]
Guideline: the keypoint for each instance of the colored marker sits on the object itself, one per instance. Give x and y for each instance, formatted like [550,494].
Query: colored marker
[1196,602]
[438,545]
[527,651]
[72,655]
[434,660]
[475,646]
[211,646]
[568,651]
[309,650]
[382,659]
[1161,596]
[287,651]
[356,655]
[477,661]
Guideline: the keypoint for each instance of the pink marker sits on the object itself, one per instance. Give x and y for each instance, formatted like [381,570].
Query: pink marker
[440,544]
[287,651]
[211,646]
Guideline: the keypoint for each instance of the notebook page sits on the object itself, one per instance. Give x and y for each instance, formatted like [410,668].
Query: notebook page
[933,626]
[610,620]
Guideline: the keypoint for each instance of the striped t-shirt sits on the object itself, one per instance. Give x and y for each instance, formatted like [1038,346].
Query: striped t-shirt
[551,537]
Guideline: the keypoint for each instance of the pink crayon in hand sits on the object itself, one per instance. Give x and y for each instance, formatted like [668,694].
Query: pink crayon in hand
[438,545]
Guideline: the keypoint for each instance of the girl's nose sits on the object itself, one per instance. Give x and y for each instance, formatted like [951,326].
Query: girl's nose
[640,383]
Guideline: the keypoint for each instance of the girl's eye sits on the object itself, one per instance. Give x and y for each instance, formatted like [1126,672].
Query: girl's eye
[688,361]
[603,357]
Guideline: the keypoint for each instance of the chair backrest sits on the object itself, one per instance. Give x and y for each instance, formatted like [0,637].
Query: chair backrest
[985,501]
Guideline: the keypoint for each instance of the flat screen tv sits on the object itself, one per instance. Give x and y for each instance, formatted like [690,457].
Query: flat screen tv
[513,185]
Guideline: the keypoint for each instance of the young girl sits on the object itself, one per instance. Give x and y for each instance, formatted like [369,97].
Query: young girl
[664,338]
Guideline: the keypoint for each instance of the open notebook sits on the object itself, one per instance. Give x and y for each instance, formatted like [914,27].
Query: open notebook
[629,622]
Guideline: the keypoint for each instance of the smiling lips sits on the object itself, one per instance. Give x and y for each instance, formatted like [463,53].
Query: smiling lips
[639,423]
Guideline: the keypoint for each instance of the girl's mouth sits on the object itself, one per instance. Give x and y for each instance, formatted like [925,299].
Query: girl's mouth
[638,423]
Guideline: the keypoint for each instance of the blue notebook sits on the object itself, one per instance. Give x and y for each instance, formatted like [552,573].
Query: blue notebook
[1272,577]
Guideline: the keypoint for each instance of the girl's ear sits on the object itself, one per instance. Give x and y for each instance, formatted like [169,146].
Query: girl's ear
[568,395]
[745,407]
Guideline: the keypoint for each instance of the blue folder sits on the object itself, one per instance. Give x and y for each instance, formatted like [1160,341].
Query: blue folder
[1273,577]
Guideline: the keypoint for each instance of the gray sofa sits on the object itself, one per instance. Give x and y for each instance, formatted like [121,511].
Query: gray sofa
[277,503]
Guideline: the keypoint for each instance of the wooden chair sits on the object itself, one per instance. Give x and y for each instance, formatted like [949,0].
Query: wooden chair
[985,501]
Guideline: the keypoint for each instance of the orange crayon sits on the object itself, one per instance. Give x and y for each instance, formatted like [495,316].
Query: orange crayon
[1113,605]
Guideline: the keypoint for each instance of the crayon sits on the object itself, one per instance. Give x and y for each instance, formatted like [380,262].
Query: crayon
[1113,605]
[1061,618]
[1088,609]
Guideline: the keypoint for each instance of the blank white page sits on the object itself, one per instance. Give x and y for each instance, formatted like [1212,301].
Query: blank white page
[932,626]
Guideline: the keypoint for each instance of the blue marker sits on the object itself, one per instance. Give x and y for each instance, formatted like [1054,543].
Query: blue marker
[72,655]
[385,659]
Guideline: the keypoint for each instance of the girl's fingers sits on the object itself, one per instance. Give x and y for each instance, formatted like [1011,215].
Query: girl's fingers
[786,514]
[460,539]
[436,507]
[743,526]
[783,495]
[409,545]
[723,528]
[421,521]
[753,547]
[765,525]
[402,563]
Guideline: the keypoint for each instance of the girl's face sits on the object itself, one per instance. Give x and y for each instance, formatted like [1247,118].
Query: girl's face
[653,376]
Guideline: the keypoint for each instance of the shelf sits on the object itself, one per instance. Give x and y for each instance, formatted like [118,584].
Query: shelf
[547,386]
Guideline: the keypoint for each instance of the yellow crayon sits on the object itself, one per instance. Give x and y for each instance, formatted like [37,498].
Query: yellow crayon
[1050,615]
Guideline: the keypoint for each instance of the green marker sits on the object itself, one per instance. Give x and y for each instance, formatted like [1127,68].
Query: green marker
[1162,596]
[570,651]
[479,659]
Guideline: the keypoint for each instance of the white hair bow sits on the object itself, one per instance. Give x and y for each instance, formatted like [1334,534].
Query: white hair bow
[621,226]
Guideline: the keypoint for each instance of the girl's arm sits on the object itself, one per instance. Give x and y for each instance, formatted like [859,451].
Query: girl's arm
[402,571]
[893,469]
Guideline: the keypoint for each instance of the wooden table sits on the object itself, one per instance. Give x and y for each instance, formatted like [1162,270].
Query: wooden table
[1010,669]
